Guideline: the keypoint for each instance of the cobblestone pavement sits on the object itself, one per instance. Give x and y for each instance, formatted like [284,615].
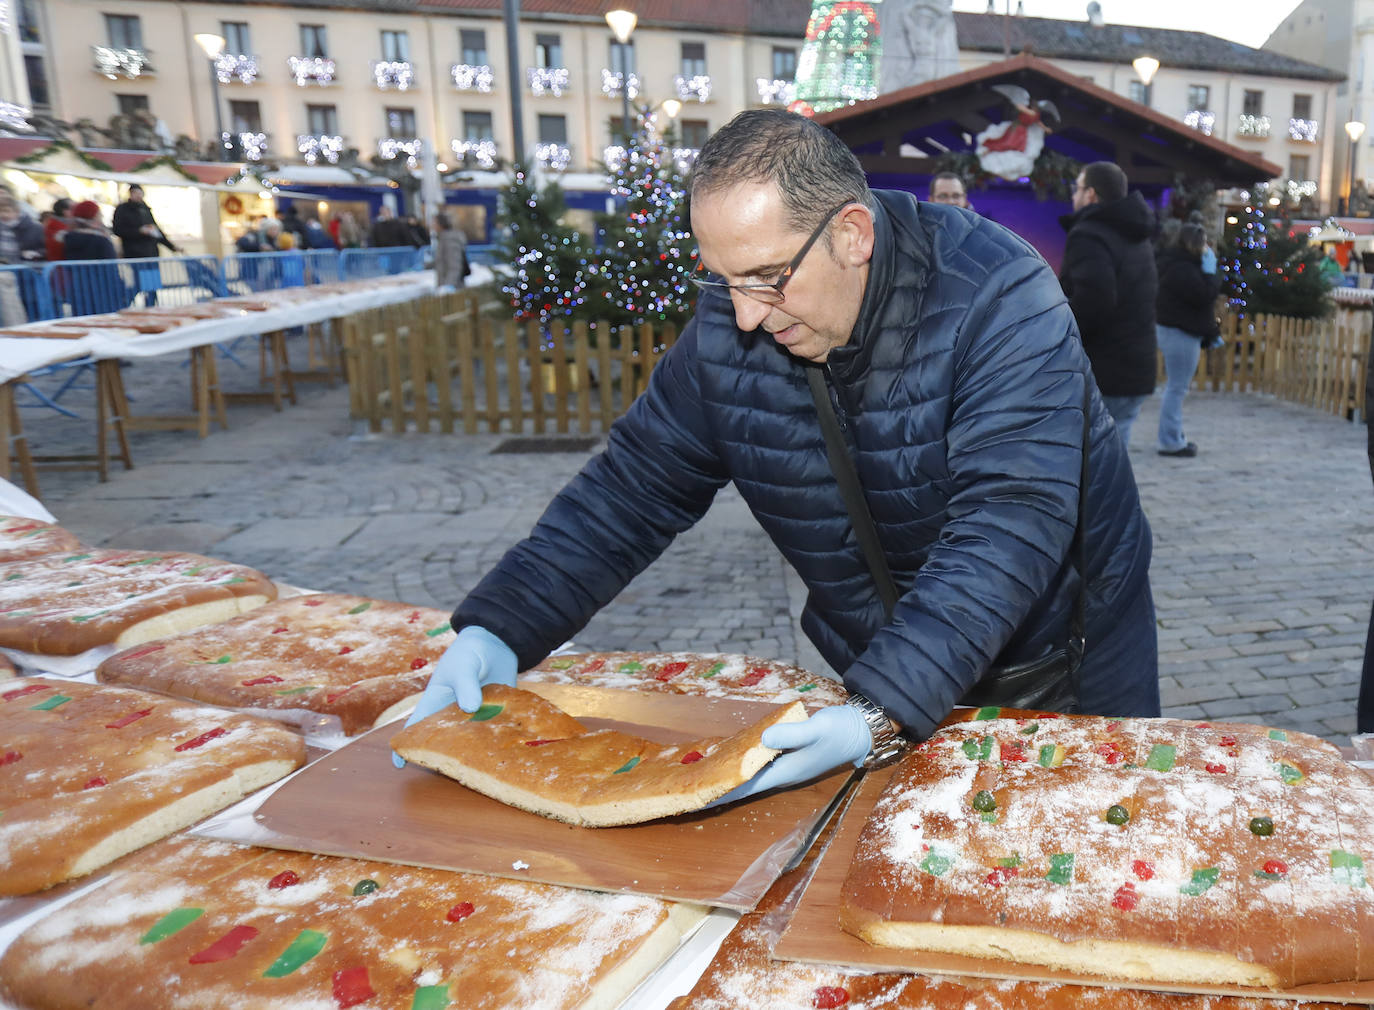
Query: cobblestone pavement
[1263,570]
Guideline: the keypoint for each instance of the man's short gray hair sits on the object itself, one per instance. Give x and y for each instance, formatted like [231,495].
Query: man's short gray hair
[813,170]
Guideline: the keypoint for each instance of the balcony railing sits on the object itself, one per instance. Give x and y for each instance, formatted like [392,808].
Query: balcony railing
[14,117]
[317,147]
[475,153]
[548,80]
[472,77]
[394,147]
[556,157]
[1200,120]
[117,63]
[311,70]
[248,146]
[776,92]
[1252,126]
[612,81]
[689,88]
[393,75]
[231,67]
[1304,130]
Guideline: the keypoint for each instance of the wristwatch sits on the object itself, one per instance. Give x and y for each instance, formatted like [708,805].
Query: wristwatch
[888,744]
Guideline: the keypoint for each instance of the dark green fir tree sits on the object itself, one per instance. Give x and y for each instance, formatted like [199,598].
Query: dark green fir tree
[544,258]
[1273,268]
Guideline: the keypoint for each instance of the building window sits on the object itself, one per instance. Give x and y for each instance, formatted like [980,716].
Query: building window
[401,123]
[38,80]
[129,104]
[1302,106]
[694,59]
[123,31]
[1199,95]
[236,38]
[473,43]
[1298,168]
[395,47]
[694,133]
[322,120]
[1253,104]
[477,126]
[622,58]
[27,15]
[784,64]
[314,44]
[553,129]
[548,52]
[1138,92]
[245,117]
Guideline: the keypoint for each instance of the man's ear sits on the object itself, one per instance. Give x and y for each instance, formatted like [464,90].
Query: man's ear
[856,233]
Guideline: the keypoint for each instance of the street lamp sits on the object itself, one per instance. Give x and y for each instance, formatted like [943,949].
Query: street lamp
[1354,130]
[212,45]
[1145,68]
[622,20]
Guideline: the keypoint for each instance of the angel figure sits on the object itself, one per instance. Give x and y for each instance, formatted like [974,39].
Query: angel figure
[1008,149]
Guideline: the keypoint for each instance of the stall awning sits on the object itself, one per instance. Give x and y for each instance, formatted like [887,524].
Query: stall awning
[52,158]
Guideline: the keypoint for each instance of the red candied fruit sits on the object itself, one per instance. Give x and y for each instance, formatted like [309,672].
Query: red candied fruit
[418,662]
[414,616]
[460,911]
[594,666]
[1228,741]
[1110,752]
[1143,869]
[1000,875]
[286,878]
[313,602]
[1275,866]
[1216,769]
[1013,750]
[827,997]
[10,757]
[1126,899]
[97,782]
[669,671]
[751,678]
[271,678]
[692,757]
[345,650]
[278,631]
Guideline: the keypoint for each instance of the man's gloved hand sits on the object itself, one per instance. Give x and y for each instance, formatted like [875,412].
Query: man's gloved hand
[476,658]
[1209,260]
[827,740]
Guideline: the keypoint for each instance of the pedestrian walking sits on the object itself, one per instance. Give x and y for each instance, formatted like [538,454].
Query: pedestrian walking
[1187,322]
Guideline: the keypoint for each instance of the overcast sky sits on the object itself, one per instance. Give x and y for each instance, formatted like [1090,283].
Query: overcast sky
[1248,22]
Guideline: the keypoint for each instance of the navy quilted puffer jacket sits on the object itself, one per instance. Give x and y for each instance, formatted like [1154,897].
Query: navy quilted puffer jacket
[961,391]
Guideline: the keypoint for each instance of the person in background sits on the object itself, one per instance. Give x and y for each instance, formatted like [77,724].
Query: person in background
[948,188]
[138,231]
[345,230]
[21,242]
[1108,275]
[450,254]
[315,235]
[389,231]
[1331,268]
[419,234]
[293,224]
[1187,322]
[96,287]
[57,223]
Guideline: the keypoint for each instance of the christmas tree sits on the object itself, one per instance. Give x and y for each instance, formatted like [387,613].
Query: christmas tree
[545,259]
[646,256]
[839,59]
[1272,268]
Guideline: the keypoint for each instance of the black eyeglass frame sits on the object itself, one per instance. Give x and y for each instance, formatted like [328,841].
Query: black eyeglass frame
[770,294]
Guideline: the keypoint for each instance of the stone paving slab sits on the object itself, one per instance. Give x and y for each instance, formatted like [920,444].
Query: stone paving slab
[1263,566]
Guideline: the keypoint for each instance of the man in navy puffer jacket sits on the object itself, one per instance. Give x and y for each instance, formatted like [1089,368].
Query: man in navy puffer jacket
[957,373]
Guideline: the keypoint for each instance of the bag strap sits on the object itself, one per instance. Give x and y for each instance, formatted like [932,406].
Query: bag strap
[866,532]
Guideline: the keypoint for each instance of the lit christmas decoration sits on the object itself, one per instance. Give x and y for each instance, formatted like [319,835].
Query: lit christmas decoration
[231,67]
[252,145]
[545,277]
[393,75]
[611,83]
[548,80]
[481,153]
[1271,267]
[393,147]
[1253,126]
[775,92]
[689,88]
[555,157]
[117,63]
[314,148]
[1303,129]
[839,60]
[311,70]
[467,77]
[1299,188]
[1201,121]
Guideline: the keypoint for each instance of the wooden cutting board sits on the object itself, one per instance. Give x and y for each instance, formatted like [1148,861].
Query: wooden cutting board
[814,935]
[355,803]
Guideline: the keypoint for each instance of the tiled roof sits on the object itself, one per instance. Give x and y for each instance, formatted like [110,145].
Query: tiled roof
[1050,38]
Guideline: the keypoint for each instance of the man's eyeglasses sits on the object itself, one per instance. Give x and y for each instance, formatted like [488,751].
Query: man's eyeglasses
[769,294]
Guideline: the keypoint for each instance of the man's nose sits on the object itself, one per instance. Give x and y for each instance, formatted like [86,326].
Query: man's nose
[749,312]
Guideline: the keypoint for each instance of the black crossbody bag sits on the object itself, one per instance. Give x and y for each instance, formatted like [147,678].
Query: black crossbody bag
[1049,683]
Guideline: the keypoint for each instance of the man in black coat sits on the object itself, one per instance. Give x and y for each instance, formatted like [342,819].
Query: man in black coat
[139,237]
[1109,277]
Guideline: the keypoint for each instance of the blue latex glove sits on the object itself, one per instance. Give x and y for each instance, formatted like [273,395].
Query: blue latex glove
[476,658]
[827,740]
[1209,260]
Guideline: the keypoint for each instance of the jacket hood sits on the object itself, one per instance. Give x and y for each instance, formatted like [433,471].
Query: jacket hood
[1131,216]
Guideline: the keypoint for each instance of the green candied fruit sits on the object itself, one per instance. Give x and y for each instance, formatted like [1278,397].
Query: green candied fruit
[1288,774]
[978,750]
[1011,861]
[937,862]
[1262,826]
[630,667]
[1031,730]
[984,802]
[487,711]
[430,997]
[986,713]
[173,922]
[1347,868]
[365,886]
[1278,734]
[626,766]
[361,607]
[557,664]
[806,687]
[1061,869]
[1203,880]
[302,949]
[714,669]
[1117,814]
[1162,757]
[432,632]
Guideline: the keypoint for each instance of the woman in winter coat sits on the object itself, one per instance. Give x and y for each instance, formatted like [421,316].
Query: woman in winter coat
[1186,315]
[450,254]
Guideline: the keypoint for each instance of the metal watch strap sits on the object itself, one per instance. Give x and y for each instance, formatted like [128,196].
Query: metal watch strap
[888,744]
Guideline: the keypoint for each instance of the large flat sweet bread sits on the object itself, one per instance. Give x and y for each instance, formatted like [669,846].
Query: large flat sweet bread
[214,925]
[63,604]
[89,773]
[524,751]
[348,656]
[1149,849]
[21,537]
[708,675]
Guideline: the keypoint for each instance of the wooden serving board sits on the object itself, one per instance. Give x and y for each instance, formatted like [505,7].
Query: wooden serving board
[814,935]
[354,802]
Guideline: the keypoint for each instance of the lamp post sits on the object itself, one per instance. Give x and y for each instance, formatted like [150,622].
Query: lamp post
[1354,130]
[1145,68]
[622,21]
[213,45]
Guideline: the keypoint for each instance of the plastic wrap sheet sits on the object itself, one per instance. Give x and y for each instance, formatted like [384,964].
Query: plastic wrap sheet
[79,667]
